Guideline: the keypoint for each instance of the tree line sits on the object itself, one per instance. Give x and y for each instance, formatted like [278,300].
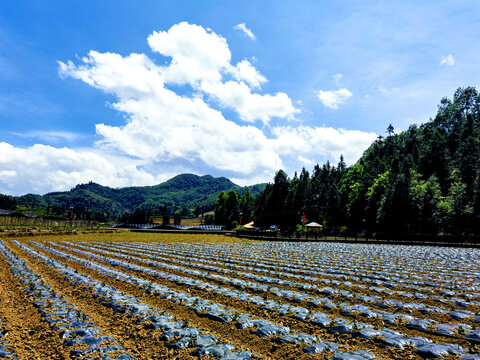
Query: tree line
[423,180]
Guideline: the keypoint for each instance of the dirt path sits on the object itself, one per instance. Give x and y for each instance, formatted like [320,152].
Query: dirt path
[28,335]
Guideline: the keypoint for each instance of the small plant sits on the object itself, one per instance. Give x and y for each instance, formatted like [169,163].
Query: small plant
[192,341]
[355,326]
[185,324]
[326,350]
[236,317]
[473,349]
[31,285]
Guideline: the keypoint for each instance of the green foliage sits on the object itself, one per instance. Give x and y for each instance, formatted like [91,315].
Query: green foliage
[227,209]
[423,180]
[7,202]
[183,194]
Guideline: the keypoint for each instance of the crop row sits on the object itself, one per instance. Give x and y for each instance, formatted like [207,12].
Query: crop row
[175,334]
[389,336]
[76,329]
[206,308]
[252,272]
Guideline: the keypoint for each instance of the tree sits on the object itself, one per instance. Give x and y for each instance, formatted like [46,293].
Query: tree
[353,189]
[7,202]
[390,130]
[455,212]
[166,220]
[221,209]
[424,198]
[232,209]
[227,209]
[247,207]
[375,194]
[392,214]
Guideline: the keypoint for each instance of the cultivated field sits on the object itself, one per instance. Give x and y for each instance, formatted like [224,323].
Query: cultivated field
[146,296]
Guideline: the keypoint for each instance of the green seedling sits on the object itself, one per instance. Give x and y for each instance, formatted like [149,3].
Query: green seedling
[192,341]
[236,317]
[31,285]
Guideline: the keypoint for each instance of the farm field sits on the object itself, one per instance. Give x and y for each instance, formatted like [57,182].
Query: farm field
[160,296]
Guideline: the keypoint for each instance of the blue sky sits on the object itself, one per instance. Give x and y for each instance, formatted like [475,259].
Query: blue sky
[132,93]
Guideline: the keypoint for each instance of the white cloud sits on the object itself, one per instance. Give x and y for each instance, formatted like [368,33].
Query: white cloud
[245,71]
[180,127]
[42,168]
[386,91]
[50,136]
[242,27]
[337,77]
[324,142]
[200,59]
[447,60]
[333,98]
[164,127]
[305,161]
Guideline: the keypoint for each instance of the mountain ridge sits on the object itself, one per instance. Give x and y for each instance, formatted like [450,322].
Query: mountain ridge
[182,193]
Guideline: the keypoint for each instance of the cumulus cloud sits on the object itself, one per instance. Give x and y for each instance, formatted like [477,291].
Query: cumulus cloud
[246,72]
[333,98]
[242,27]
[199,58]
[164,126]
[325,142]
[447,60]
[42,168]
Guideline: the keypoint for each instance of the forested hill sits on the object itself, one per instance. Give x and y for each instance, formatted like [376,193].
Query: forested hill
[423,180]
[183,193]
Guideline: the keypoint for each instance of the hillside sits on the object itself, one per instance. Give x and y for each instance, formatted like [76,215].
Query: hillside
[182,193]
[422,180]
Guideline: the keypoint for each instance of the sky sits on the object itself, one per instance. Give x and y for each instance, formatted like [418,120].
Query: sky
[132,93]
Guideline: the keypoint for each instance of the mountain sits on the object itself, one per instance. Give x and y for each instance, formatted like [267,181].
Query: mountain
[424,180]
[182,193]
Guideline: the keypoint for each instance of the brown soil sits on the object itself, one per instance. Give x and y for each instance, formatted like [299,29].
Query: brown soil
[145,344]
[229,331]
[28,336]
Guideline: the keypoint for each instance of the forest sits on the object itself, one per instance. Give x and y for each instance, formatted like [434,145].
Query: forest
[184,195]
[425,180]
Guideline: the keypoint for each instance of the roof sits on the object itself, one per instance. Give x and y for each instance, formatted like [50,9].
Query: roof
[314,225]
[249,225]
[30,214]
